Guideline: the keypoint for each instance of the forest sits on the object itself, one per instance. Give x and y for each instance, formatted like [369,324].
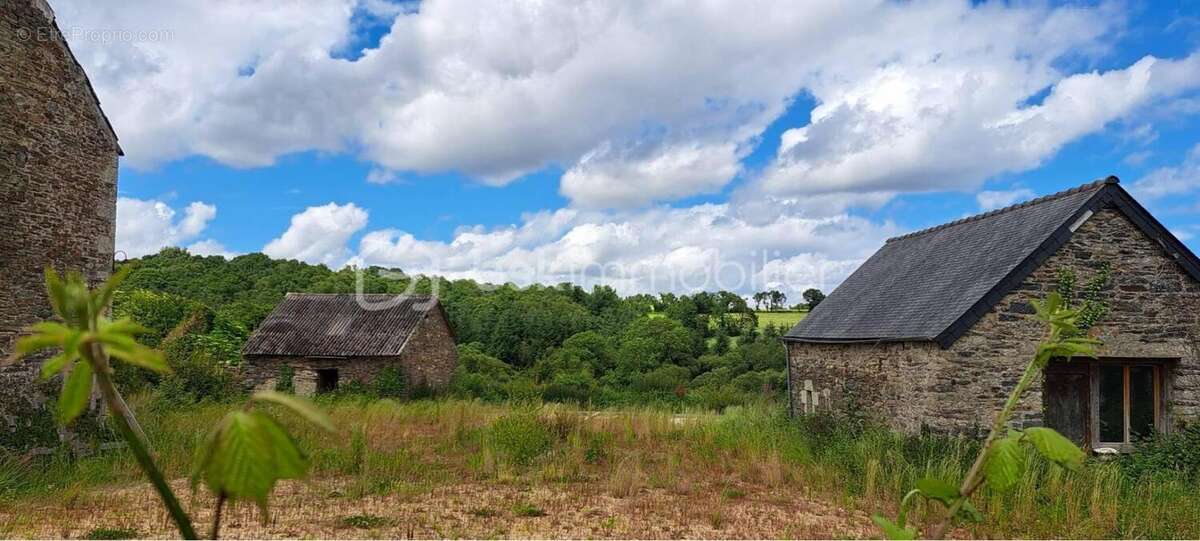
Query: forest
[559,343]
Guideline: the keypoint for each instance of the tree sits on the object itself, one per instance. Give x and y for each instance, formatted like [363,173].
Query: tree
[813,297]
[759,299]
[775,299]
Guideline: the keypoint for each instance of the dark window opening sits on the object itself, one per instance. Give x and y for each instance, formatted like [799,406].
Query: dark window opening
[327,380]
[1112,403]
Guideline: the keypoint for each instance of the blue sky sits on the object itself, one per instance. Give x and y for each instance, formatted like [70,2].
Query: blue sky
[502,142]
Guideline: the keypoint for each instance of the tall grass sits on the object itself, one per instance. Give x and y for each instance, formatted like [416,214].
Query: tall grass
[408,449]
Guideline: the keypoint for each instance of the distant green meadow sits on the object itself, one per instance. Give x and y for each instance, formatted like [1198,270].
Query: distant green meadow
[787,319]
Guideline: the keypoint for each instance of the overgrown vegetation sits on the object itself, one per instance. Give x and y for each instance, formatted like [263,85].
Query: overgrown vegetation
[724,465]
[561,343]
[242,457]
[1002,455]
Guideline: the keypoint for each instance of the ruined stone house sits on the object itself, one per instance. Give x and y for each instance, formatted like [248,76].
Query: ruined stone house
[934,330]
[58,188]
[328,340]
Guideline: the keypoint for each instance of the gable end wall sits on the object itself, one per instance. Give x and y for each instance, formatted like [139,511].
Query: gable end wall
[58,188]
[1154,311]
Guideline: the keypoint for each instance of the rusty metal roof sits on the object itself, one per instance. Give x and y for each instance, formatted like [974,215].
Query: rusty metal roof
[340,325]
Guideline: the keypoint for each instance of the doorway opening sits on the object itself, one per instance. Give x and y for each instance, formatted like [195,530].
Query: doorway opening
[327,380]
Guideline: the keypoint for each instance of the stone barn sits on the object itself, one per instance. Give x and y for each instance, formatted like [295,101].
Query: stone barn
[934,330]
[58,195]
[328,340]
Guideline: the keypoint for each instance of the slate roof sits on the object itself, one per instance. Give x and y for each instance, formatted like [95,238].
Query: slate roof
[336,325]
[933,285]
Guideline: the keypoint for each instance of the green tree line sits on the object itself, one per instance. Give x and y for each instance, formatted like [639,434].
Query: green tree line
[561,342]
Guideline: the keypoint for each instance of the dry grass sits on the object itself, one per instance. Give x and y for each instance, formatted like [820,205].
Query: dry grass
[468,469]
[468,509]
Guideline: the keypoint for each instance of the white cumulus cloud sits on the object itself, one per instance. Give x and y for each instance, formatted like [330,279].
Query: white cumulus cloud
[637,101]
[1180,180]
[655,249]
[319,234]
[147,226]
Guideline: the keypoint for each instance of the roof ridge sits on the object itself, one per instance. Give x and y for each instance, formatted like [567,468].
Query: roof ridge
[1111,179]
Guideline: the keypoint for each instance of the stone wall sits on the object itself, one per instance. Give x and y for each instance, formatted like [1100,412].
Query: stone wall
[1154,312]
[58,173]
[428,359]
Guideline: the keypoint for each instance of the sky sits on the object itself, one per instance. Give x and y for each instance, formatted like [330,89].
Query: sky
[651,146]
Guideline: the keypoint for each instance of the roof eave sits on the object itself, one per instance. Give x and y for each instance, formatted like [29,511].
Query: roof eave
[805,340]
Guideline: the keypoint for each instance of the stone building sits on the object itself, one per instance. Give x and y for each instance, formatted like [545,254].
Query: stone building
[934,330]
[58,189]
[328,340]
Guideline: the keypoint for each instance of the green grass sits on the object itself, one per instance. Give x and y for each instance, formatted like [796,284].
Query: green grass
[111,533]
[787,320]
[409,449]
[365,522]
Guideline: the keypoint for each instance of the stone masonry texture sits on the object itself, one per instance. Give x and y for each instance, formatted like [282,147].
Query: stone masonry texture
[58,174]
[427,360]
[1154,312]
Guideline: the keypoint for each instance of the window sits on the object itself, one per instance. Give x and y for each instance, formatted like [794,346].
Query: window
[327,380]
[1130,402]
[1106,403]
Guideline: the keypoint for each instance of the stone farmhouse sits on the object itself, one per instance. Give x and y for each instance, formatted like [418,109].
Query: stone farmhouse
[329,340]
[933,331]
[58,192]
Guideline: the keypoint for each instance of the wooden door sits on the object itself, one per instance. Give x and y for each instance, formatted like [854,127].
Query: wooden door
[1066,400]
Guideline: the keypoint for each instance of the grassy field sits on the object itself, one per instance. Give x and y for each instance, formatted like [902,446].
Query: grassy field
[467,469]
[786,320]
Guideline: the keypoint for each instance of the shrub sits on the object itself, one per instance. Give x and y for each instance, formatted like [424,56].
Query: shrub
[520,437]
[285,382]
[525,509]
[196,376]
[1174,455]
[390,383]
[570,387]
[664,379]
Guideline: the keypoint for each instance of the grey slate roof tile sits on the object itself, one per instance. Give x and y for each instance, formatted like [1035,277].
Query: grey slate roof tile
[918,285]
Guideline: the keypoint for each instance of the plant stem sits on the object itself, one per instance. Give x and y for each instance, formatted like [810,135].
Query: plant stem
[216,523]
[135,438]
[974,478]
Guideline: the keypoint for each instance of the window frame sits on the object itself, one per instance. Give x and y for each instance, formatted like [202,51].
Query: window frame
[1161,371]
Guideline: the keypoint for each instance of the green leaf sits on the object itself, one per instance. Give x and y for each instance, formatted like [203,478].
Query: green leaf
[127,349]
[1055,447]
[57,291]
[1005,462]
[36,342]
[968,512]
[892,531]
[246,455]
[124,326]
[239,461]
[298,406]
[56,364]
[76,392]
[102,296]
[290,462]
[936,489]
